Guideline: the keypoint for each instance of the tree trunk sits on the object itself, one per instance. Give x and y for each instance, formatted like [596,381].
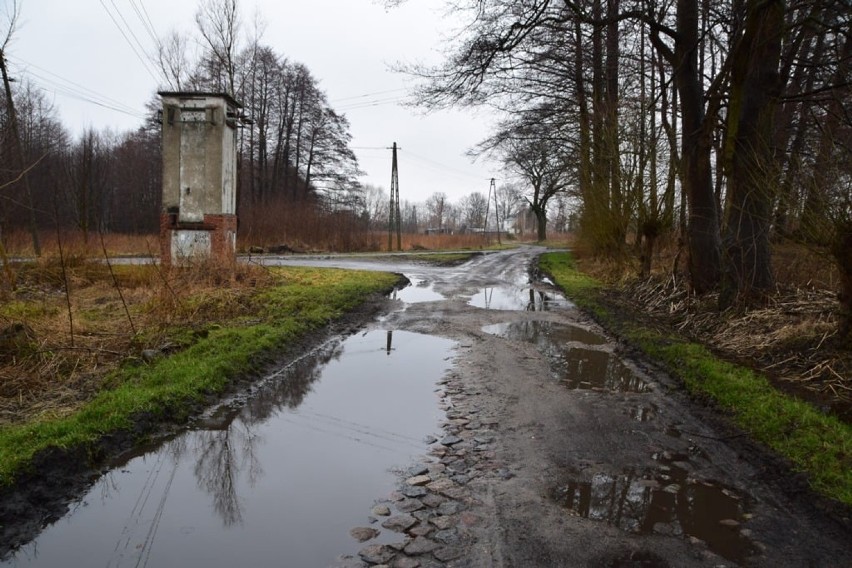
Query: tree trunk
[619,208]
[842,252]
[703,236]
[541,222]
[703,239]
[754,91]
[584,167]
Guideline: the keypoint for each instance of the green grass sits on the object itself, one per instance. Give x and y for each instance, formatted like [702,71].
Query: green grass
[582,289]
[304,299]
[814,443]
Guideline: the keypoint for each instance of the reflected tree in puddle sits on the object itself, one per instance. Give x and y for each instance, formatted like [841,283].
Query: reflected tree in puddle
[221,457]
[288,387]
[590,369]
[554,336]
[577,367]
[543,302]
[503,298]
[226,449]
[666,501]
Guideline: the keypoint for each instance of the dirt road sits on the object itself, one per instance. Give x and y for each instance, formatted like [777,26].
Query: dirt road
[559,447]
[574,452]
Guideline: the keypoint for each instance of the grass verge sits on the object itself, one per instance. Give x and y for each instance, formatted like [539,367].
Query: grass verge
[299,300]
[815,444]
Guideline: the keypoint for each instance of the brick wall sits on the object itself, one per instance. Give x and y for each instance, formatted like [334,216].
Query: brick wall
[222,229]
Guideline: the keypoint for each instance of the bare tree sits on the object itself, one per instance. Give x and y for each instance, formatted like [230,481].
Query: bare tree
[437,207]
[375,206]
[17,152]
[175,60]
[473,208]
[88,186]
[219,24]
[510,201]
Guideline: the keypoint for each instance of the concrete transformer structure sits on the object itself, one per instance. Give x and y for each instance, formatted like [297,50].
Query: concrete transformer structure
[198,220]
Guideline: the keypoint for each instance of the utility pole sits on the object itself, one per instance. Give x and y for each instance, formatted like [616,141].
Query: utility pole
[496,209]
[18,152]
[492,189]
[394,223]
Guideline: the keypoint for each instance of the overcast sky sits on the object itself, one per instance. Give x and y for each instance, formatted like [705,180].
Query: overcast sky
[74,47]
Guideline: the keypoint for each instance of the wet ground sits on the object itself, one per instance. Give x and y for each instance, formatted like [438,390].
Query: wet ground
[482,421]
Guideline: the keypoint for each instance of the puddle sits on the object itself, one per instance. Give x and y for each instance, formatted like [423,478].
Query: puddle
[418,291]
[665,501]
[592,369]
[576,367]
[506,298]
[283,474]
[643,412]
[543,333]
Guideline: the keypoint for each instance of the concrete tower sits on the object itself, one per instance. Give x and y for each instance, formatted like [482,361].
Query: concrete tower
[198,220]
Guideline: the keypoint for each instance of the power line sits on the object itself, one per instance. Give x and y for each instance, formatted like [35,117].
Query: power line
[368,95]
[147,24]
[129,28]
[72,88]
[445,167]
[375,102]
[68,93]
[145,64]
[48,85]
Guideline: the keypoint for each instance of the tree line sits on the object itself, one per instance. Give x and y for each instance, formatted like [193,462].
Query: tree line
[293,146]
[726,124]
[505,211]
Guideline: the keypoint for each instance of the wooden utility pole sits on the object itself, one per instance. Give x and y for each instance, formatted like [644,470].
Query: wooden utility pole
[18,153]
[394,222]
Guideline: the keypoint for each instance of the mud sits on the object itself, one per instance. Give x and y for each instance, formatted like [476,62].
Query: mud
[695,491]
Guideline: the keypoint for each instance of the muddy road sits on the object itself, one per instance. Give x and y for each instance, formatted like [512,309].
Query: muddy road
[480,421]
[576,453]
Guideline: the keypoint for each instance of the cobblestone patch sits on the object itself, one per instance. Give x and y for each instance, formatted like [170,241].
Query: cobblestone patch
[432,505]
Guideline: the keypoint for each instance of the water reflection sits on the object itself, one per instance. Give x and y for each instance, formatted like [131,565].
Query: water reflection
[282,473]
[643,412]
[417,291]
[221,457]
[544,333]
[593,369]
[576,366]
[665,501]
[511,298]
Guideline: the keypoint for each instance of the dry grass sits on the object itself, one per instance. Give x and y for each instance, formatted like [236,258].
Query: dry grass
[418,241]
[53,359]
[791,338]
[19,244]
